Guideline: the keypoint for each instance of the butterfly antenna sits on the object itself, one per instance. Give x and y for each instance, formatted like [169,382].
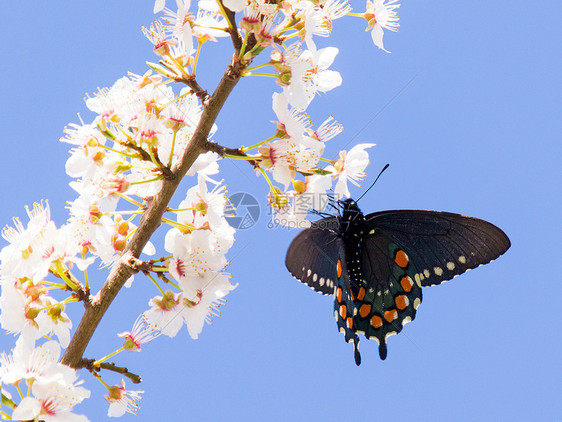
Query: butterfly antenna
[373,184]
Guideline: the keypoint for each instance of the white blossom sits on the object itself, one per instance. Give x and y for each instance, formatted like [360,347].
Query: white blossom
[122,401]
[350,168]
[310,74]
[54,386]
[381,14]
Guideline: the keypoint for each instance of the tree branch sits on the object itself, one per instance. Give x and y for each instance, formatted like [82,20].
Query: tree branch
[195,87]
[110,366]
[152,217]
[232,28]
[222,151]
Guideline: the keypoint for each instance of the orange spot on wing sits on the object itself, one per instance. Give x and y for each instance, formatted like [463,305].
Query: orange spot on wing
[365,310]
[406,283]
[390,315]
[361,294]
[339,268]
[401,302]
[401,259]
[339,295]
[343,311]
[350,323]
[376,321]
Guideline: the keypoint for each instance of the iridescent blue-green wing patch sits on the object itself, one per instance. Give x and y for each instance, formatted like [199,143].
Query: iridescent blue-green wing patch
[388,296]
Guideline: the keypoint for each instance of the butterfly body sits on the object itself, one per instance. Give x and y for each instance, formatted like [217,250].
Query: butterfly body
[375,265]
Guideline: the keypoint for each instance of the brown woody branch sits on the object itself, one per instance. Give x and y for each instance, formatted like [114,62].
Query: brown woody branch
[192,83]
[232,29]
[152,217]
[223,151]
[110,366]
[145,156]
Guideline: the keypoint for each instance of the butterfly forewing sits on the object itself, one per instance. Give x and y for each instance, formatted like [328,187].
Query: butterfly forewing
[316,257]
[313,255]
[440,245]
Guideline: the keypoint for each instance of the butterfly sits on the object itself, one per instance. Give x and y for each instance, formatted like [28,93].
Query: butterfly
[375,265]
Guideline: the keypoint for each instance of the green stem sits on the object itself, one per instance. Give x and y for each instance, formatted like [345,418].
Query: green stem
[100,379]
[5,416]
[97,362]
[272,75]
[258,144]
[199,45]
[264,174]
[19,390]
[61,272]
[237,157]
[183,71]
[54,285]
[153,158]
[64,302]
[216,28]
[172,149]
[124,154]
[288,37]
[181,227]
[156,284]
[259,66]
[180,209]
[243,48]
[123,212]
[148,181]
[231,25]
[86,280]
[132,201]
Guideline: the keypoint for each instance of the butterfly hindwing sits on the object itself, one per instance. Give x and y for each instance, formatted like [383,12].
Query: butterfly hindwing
[344,307]
[389,296]
[316,257]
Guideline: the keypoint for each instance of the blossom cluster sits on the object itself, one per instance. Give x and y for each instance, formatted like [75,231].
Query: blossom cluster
[292,157]
[53,388]
[119,163]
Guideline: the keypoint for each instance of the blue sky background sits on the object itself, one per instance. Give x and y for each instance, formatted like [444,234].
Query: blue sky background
[466,109]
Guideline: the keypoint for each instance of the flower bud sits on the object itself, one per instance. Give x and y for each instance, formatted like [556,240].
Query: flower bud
[300,186]
[123,228]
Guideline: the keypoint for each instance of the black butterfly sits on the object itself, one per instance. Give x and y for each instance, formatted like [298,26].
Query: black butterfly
[376,265]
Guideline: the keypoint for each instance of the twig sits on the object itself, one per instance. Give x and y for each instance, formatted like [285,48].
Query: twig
[110,366]
[146,157]
[195,87]
[222,151]
[232,28]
